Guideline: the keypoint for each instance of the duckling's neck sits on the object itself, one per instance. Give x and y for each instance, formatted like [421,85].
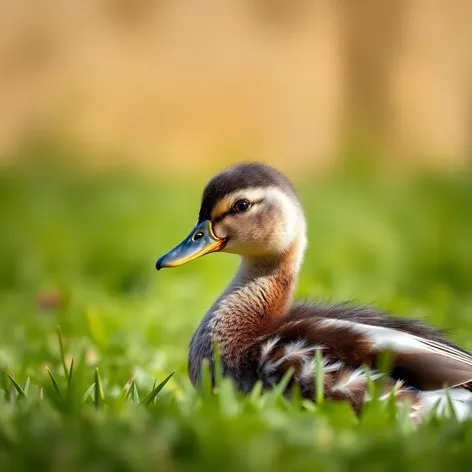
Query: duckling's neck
[260,293]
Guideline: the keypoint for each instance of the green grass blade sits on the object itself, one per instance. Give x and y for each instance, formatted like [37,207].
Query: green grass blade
[228,400]
[218,366]
[374,392]
[71,373]
[319,379]
[283,384]
[99,395]
[54,382]
[279,390]
[126,391]
[63,355]
[155,392]
[6,384]
[88,392]
[384,368]
[206,382]
[135,395]
[256,392]
[389,401]
[450,410]
[17,386]
[296,398]
[27,386]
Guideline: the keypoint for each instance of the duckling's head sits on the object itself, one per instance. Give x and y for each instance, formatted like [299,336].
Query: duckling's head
[248,209]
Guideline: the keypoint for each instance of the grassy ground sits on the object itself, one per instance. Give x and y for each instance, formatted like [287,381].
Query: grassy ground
[79,252]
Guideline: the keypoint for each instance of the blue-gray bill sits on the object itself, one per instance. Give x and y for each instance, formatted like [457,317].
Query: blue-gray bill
[199,242]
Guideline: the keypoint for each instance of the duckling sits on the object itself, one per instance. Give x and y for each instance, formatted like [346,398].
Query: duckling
[253,210]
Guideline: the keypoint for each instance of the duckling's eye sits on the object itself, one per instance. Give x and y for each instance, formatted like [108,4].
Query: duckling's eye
[240,206]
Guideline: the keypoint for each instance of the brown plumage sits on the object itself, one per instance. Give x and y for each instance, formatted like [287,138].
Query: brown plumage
[253,211]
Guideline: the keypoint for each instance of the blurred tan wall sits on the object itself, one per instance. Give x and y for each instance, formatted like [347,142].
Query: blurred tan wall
[293,82]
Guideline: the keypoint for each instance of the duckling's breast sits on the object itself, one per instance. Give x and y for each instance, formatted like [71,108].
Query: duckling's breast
[241,366]
[200,349]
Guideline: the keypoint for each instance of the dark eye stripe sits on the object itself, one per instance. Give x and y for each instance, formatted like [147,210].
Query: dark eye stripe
[222,216]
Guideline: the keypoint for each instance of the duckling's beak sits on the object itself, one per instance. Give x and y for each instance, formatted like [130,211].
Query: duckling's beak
[200,241]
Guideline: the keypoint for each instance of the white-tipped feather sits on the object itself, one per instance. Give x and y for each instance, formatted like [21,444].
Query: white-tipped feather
[308,370]
[292,351]
[347,380]
[352,380]
[298,349]
[267,348]
[330,367]
[383,338]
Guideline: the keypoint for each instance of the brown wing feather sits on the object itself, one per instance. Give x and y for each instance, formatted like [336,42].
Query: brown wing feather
[422,358]
[341,382]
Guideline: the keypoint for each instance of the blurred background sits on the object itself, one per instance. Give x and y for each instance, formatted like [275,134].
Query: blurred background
[161,85]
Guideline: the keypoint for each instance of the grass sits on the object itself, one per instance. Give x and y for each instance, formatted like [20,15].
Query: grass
[98,393]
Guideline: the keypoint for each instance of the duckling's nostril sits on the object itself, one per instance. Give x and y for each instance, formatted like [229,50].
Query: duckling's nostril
[198,236]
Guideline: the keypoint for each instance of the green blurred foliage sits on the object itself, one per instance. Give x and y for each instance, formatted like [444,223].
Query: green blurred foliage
[78,251]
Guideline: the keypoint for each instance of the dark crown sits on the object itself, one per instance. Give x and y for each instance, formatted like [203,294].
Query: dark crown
[239,177]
